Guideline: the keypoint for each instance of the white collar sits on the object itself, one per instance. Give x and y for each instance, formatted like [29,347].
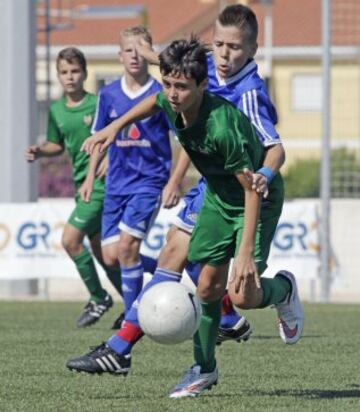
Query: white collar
[134,94]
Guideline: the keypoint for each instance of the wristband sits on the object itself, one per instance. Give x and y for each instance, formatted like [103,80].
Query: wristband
[267,172]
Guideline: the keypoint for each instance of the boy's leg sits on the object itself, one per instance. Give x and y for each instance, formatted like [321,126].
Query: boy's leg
[213,242]
[114,356]
[113,211]
[111,267]
[138,216]
[100,300]
[72,241]
[233,326]
[171,264]
[280,291]
[87,217]
[204,373]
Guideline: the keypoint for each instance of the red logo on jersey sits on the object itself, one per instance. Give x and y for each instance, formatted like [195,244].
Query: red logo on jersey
[134,132]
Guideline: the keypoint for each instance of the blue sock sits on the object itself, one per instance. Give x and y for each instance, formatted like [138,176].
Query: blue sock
[160,275]
[129,334]
[132,282]
[193,270]
[149,264]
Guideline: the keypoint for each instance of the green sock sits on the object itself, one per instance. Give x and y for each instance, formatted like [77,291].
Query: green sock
[114,275]
[86,267]
[275,290]
[205,337]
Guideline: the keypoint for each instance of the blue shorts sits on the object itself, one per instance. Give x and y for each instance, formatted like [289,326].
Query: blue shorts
[133,214]
[188,215]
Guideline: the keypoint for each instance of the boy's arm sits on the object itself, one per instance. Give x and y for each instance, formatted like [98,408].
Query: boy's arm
[171,193]
[47,149]
[106,136]
[86,188]
[147,52]
[274,159]
[244,272]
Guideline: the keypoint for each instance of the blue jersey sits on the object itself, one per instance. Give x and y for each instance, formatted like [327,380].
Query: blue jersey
[247,91]
[140,157]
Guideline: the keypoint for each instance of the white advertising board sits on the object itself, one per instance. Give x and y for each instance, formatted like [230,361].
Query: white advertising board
[30,239]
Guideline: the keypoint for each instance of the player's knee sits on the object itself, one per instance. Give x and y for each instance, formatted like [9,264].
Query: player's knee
[171,232]
[110,259]
[127,250]
[72,246]
[209,291]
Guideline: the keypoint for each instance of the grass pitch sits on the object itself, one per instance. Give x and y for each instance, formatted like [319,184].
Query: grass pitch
[320,373]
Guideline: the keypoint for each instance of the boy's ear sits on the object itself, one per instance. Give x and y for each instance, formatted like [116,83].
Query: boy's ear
[204,84]
[120,57]
[254,49]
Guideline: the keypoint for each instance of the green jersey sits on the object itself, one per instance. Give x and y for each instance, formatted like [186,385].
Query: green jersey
[70,126]
[220,143]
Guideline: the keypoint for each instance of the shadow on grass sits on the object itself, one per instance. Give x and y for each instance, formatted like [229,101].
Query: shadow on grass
[305,393]
[276,337]
[312,393]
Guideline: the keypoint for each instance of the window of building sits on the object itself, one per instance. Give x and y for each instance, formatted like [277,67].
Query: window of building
[306,92]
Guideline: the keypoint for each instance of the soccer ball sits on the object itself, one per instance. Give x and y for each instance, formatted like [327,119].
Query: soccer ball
[169,312]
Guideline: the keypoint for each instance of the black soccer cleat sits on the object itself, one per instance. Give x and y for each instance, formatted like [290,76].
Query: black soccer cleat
[118,322]
[93,311]
[99,360]
[239,332]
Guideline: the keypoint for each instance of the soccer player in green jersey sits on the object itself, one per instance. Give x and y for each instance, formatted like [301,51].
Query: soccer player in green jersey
[69,123]
[234,220]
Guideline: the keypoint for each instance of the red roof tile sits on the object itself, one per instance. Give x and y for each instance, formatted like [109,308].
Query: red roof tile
[295,23]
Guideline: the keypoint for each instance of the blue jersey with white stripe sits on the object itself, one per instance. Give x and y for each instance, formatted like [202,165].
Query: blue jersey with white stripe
[140,157]
[247,91]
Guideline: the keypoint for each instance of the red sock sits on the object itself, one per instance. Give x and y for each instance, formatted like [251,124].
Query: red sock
[226,305]
[130,332]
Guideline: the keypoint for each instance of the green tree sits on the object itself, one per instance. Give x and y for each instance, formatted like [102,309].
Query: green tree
[302,178]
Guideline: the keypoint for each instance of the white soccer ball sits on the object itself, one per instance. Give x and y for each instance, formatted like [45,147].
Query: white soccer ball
[169,312]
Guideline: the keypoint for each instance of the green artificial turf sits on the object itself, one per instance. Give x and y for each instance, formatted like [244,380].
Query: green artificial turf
[320,373]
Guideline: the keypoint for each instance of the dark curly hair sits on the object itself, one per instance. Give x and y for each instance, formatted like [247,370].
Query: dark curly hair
[187,57]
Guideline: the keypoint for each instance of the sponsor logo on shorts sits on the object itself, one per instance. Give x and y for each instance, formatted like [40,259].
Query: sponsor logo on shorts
[192,217]
[79,220]
[142,225]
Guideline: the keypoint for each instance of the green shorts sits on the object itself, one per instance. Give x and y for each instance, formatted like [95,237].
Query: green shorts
[217,235]
[87,216]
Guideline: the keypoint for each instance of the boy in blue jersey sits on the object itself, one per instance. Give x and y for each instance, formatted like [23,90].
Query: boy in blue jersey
[139,166]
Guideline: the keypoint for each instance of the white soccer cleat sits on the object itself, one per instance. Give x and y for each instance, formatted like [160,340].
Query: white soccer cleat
[194,382]
[290,313]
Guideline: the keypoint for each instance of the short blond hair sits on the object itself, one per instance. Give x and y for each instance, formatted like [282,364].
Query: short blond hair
[137,31]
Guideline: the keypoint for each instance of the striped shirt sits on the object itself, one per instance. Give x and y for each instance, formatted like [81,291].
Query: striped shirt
[247,91]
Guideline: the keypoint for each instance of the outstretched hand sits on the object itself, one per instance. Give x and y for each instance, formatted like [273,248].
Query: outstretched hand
[31,153]
[103,138]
